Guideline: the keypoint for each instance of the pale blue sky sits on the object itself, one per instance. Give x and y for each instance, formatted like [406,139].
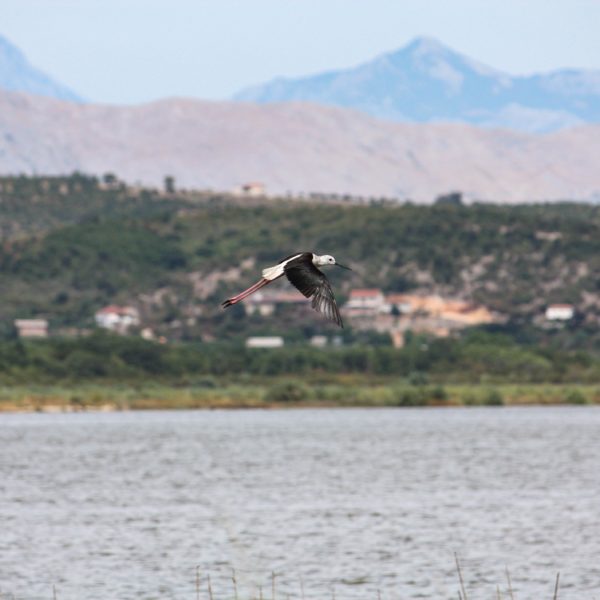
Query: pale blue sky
[127,51]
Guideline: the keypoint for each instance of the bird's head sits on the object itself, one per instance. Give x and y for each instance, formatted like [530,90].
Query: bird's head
[327,259]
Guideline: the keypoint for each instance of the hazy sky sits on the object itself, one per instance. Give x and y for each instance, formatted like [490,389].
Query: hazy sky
[137,50]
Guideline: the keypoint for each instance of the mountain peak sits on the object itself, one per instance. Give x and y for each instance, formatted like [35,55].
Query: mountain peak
[18,75]
[427,81]
[425,45]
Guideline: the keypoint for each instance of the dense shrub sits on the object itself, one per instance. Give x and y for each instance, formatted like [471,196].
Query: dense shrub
[493,398]
[438,393]
[108,356]
[287,391]
[575,397]
[410,396]
[420,395]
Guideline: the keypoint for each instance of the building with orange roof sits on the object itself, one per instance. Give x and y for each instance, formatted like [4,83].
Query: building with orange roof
[365,302]
[117,318]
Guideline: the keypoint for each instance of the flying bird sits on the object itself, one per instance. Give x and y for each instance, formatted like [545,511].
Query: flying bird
[302,272]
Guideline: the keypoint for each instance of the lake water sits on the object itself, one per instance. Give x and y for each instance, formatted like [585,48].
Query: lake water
[125,505]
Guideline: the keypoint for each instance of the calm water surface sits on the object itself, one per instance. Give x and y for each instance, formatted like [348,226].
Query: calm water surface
[125,505]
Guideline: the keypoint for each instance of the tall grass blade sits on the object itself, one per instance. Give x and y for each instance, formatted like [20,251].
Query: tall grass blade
[510,590]
[460,577]
[556,586]
[210,594]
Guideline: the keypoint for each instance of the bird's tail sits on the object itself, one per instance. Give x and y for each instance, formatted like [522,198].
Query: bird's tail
[245,293]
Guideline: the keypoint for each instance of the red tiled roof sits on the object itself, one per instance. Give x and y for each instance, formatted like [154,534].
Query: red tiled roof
[365,293]
[114,309]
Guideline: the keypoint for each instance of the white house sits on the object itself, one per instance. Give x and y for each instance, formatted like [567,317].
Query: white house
[560,312]
[274,341]
[32,328]
[318,341]
[117,318]
[365,302]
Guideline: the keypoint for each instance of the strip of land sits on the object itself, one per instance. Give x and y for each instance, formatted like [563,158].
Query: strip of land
[351,392]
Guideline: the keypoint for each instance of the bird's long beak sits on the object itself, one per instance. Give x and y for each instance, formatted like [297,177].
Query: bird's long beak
[343,266]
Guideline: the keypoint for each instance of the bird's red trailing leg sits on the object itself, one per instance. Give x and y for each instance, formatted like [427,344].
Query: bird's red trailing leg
[245,293]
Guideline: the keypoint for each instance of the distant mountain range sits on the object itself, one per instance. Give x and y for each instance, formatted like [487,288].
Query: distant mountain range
[424,82]
[304,147]
[16,74]
[295,147]
[429,82]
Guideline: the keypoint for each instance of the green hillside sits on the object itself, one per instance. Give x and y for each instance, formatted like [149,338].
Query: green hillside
[73,245]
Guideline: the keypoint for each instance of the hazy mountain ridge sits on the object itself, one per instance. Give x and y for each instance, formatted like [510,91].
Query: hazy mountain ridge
[296,147]
[16,74]
[428,82]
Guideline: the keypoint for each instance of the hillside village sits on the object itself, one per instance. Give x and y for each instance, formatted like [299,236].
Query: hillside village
[366,310]
[81,253]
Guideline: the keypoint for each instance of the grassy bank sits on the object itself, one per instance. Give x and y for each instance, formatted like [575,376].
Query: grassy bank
[285,393]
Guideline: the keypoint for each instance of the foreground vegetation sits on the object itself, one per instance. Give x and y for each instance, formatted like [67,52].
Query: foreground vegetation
[479,356]
[286,392]
[115,372]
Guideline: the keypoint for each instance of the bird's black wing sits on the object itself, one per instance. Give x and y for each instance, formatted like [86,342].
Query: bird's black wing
[312,283]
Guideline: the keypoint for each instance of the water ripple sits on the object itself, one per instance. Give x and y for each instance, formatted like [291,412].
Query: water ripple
[126,505]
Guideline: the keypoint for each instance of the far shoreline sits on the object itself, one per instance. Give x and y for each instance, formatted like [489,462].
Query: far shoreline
[65,410]
[283,394]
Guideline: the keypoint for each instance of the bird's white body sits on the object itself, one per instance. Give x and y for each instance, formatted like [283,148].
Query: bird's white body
[272,273]
[303,273]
